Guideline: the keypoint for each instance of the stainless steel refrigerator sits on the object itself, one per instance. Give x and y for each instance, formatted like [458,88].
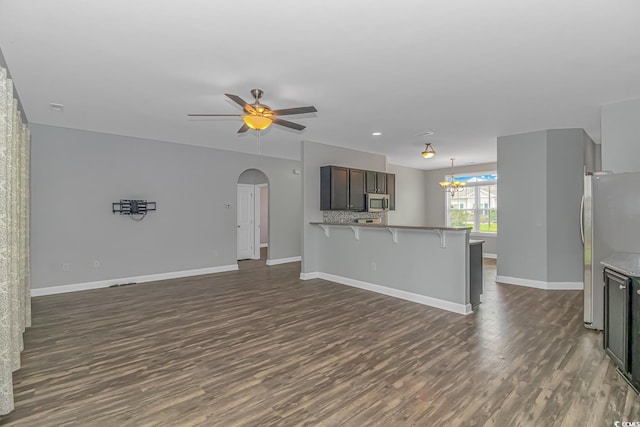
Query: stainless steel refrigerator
[610,223]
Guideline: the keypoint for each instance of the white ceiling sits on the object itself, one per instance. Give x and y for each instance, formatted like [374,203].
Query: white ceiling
[468,70]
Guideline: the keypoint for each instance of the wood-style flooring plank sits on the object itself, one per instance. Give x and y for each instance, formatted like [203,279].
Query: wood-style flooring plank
[259,347]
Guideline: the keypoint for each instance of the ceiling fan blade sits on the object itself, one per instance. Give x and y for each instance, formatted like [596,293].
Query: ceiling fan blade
[243,129]
[214,115]
[287,124]
[297,110]
[241,102]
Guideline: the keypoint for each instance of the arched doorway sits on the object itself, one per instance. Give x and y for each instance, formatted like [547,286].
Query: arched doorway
[253,215]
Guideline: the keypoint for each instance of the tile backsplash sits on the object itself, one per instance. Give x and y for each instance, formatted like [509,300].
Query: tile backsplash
[349,216]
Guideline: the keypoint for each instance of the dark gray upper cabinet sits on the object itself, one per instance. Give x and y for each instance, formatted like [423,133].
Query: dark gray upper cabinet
[342,189]
[376,182]
[357,196]
[391,191]
[334,188]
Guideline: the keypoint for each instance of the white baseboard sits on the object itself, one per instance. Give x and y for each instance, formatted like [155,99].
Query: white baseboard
[283,260]
[397,293]
[539,284]
[492,256]
[264,245]
[51,290]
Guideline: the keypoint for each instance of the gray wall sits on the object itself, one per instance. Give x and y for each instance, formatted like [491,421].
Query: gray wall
[565,182]
[541,184]
[621,136]
[522,206]
[436,200]
[592,154]
[76,175]
[315,155]
[411,199]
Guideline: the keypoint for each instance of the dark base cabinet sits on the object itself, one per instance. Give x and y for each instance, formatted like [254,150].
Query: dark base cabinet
[634,332]
[475,271]
[616,318]
[622,324]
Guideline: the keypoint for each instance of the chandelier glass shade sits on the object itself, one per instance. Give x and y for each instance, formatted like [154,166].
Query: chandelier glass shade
[450,185]
[428,152]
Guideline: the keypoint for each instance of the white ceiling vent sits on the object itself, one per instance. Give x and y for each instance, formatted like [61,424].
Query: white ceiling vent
[56,107]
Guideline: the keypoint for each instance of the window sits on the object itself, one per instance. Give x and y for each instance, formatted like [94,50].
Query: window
[476,205]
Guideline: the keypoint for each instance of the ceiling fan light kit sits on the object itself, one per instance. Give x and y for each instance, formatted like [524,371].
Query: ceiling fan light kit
[260,116]
[256,122]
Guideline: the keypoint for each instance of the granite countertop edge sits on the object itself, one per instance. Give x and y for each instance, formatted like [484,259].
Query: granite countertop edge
[406,227]
[624,262]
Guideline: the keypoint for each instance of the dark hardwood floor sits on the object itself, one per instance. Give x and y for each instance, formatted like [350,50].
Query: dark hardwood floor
[260,347]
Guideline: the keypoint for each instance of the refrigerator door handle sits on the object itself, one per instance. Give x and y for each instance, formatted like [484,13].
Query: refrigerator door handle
[582,219]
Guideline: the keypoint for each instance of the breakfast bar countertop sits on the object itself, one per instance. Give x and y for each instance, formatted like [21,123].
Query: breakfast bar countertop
[406,227]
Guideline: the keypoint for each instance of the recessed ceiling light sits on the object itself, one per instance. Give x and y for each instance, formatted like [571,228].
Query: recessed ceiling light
[376,133]
[427,133]
[56,107]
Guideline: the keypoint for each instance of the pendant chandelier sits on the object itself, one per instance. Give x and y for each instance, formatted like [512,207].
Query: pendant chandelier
[451,186]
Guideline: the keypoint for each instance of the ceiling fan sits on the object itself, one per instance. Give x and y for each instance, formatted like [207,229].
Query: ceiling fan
[260,116]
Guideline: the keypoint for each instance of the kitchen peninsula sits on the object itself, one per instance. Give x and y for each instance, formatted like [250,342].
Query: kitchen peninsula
[427,265]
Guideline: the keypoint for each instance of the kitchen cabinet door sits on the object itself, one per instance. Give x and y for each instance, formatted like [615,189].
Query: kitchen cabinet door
[391,190]
[381,181]
[357,194]
[334,188]
[342,189]
[616,315]
[371,178]
[634,331]
[376,182]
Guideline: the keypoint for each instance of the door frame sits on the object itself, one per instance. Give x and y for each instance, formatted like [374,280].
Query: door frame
[256,221]
[251,181]
[250,213]
[259,188]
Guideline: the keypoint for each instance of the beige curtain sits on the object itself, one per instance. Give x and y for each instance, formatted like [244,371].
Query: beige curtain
[15,294]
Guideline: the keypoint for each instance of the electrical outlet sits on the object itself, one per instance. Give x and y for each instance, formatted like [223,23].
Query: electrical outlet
[65,267]
[374,266]
[96,263]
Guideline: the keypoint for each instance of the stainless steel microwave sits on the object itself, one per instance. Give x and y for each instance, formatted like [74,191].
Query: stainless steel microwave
[377,202]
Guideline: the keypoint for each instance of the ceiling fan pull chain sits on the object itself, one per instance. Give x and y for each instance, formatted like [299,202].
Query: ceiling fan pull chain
[258,143]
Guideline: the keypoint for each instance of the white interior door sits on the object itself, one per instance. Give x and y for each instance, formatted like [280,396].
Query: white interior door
[246,213]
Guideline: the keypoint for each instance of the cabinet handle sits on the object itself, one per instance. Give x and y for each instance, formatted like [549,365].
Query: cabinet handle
[623,287]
